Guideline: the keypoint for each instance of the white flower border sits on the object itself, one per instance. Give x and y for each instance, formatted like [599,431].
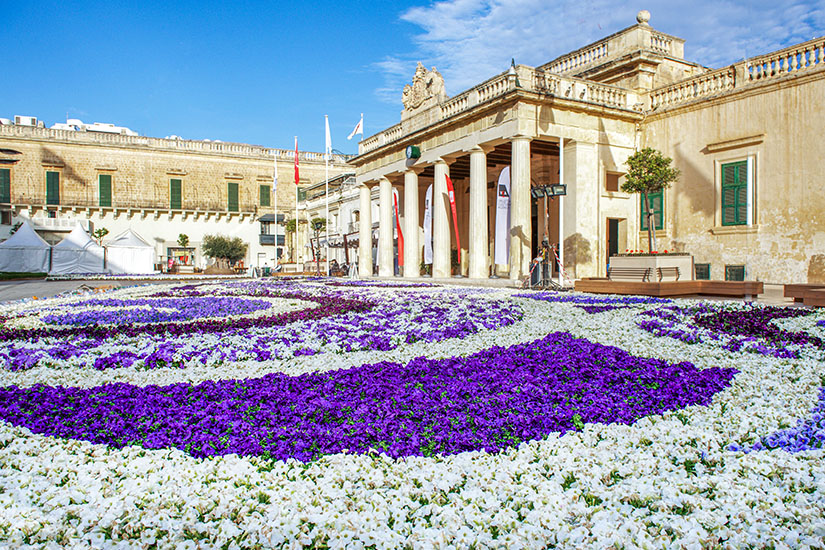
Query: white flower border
[666,481]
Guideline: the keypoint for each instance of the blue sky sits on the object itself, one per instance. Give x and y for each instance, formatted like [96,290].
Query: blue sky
[263,72]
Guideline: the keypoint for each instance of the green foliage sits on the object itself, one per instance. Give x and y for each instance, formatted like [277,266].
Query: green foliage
[289,225]
[221,247]
[183,240]
[649,171]
[319,225]
[99,234]
[14,228]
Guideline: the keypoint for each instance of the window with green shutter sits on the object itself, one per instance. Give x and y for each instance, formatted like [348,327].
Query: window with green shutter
[232,193]
[657,204]
[5,185]
[175,194]
[104,184]
[735,193]
[52,187]
[265,194]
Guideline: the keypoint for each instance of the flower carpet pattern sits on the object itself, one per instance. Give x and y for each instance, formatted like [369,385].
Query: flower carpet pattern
[309,413]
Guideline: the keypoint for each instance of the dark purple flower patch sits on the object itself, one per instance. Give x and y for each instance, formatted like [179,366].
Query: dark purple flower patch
[807,435]
[821,323]
[490,400]
[599,309]
[750,328]
[380,284]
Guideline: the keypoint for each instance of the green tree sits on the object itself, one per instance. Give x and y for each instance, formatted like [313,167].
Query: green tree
[649,171]
[99,234]
[223,249]
[183,240]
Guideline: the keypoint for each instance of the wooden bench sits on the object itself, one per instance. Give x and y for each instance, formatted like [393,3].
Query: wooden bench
[797,291]
[668,272]
[640,273]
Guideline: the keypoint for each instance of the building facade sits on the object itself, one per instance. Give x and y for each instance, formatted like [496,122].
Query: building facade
[160,188]
[750,200]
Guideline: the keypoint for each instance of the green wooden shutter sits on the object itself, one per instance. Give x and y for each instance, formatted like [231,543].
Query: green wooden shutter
[265,194]
[657,204]
[175,194]
[232,192]
[52,187]
[104,183]
[735,193]
[5,185]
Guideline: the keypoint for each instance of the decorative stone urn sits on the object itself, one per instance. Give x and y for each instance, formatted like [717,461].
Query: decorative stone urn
[683,261]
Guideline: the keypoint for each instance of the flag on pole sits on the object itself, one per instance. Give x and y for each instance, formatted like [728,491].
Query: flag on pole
[398,229]
[451,195]
[328,146]
[296,161]
[359,128]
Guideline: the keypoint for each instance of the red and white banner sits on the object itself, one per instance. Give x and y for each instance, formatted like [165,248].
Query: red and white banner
[503,217]
[451,194]
[296,160]
[398,228]
[428,226]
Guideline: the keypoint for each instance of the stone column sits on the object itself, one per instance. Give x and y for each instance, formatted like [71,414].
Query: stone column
[365,232]
[520,228]
[412,254]
[478,214]
[441,222]
[385,228]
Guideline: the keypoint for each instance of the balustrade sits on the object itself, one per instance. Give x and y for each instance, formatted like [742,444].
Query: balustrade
[795,58]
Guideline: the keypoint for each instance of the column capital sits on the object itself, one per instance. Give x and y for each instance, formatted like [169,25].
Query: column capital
[481,148]
[521,137]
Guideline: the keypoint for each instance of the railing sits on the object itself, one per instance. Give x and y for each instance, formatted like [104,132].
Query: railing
[661,42]
[703,85]
[222,148]
[579,58]
[526,78]
[793,59]
[27,199]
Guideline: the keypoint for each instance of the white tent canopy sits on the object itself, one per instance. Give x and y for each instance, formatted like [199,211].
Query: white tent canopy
[129,253]
[25,252]
[77,253]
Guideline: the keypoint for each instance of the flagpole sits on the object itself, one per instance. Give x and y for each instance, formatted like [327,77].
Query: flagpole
[295,160]
[327,153]
[275,204]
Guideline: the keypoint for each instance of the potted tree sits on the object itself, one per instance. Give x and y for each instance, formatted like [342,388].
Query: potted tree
[649,171]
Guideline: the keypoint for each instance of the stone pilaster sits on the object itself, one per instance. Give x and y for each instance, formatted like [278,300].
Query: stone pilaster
[365,232]
[441,222]
[412,252]
[385,228]
[479,261]
[520,228]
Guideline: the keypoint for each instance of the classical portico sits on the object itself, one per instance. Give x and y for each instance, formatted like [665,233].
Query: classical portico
[572,121]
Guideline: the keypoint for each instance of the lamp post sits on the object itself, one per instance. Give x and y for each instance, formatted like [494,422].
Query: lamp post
[547,192]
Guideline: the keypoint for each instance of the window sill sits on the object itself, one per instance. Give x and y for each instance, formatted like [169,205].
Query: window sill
[734,229]
[615,195]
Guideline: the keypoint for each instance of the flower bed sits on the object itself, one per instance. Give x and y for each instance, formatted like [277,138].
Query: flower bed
[405,417]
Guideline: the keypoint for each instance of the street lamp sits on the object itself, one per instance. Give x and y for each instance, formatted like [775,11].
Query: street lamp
[547,192]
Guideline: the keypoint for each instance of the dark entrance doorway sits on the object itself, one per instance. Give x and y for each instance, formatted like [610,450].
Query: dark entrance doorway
[612,239]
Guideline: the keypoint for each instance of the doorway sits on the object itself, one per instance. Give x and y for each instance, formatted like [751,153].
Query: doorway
[616,238]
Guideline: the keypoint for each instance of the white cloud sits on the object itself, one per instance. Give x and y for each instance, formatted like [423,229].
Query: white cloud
[471,40]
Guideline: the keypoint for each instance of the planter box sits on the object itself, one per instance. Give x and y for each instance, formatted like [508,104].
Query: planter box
[683,261]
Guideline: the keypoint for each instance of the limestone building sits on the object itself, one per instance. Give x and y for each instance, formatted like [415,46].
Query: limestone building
[746,137]
[159,187]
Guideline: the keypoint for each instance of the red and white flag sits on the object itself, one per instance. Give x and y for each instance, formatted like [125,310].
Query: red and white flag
[451,194]
[398,228]
[359,128]
[296,160]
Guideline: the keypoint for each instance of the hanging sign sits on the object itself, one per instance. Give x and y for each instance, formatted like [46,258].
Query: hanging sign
[428,226]
[398,228]
[503,217]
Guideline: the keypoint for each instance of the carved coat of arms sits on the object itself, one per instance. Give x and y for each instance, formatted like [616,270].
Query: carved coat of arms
[426,85]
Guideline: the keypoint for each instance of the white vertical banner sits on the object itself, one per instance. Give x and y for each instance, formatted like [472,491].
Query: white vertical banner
[503,217]
[428,226]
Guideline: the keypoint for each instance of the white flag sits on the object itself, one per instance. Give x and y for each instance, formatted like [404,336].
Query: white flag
[502,255]
[359,128]
[328,146]
[428,226]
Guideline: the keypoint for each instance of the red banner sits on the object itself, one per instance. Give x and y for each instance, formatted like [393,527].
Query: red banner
[451,194]
[296,161]
[400,234]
